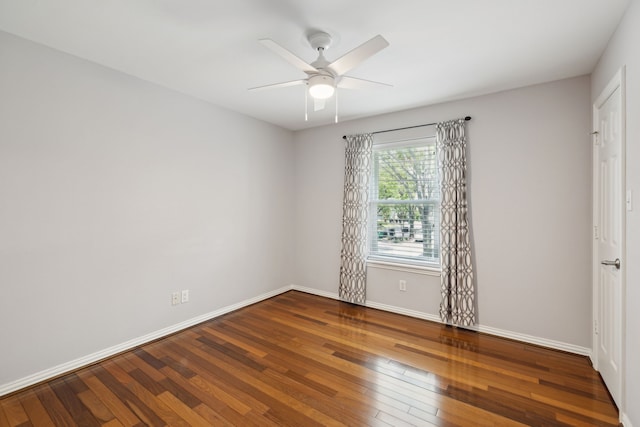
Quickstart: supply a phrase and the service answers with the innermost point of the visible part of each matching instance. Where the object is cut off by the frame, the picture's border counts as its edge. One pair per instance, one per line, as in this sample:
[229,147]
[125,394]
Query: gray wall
[623,51]
[530,196]
[115,192]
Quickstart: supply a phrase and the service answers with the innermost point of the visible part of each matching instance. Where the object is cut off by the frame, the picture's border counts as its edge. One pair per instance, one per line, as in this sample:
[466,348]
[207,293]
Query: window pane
[405,203]
[406,173]
[406,231]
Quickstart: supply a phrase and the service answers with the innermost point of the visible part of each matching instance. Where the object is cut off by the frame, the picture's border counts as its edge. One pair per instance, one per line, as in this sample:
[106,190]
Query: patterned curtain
[355,207]
[458,292]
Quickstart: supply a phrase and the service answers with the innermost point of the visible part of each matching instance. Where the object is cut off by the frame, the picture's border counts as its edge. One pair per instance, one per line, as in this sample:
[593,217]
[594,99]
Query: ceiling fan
[324,77]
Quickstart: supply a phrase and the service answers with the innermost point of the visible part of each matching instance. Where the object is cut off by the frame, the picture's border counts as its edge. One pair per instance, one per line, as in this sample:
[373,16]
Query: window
[404,203]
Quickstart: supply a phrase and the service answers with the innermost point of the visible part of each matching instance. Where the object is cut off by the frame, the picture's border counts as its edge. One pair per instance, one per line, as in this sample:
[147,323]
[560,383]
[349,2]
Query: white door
[609,223]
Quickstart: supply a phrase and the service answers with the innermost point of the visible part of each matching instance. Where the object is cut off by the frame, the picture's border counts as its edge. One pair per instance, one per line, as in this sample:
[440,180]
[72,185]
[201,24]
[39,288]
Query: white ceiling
[439,50]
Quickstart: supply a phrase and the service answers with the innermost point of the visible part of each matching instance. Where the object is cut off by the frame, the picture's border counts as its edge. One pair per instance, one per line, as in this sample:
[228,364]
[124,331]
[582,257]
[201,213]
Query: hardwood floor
[302,360]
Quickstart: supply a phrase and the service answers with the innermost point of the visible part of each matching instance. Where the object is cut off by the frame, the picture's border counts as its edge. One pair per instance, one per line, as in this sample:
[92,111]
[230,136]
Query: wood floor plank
[108,397]
[187,413]
[302,360]
[278,401]
[214,403]
[355,415]
[104,372]
[238,398]
[466,415]
[213,418]
[178,367]
[95,406]
[14,411]
[38,415]
[210,390]
[234,340]
[159,408]
[138,365]
[597,412]
[113,423]
[57,412]
[4,421]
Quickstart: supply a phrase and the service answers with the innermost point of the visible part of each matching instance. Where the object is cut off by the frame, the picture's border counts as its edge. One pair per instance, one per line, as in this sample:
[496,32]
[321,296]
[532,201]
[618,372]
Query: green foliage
[406,174]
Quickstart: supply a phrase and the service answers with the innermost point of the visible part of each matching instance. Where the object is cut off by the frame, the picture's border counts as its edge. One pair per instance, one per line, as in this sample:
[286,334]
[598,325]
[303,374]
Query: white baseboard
[312,291]
[624,419]
[108,352]
[556,345]
[404,311]
[544,342]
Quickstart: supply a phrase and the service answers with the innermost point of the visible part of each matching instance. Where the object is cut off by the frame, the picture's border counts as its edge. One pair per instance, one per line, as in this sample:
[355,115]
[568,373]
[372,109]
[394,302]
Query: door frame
[618,81]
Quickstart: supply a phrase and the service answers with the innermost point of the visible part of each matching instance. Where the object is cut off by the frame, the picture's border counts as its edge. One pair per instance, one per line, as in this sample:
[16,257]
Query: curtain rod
[408,127]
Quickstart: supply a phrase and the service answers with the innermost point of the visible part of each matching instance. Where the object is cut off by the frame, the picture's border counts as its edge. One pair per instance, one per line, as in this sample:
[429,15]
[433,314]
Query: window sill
[427,270]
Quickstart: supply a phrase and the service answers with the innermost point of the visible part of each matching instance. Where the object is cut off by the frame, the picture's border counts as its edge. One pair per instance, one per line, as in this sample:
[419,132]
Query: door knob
[615,263]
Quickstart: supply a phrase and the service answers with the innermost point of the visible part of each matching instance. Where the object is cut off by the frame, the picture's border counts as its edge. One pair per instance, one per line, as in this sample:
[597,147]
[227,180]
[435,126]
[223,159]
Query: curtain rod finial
[467,118]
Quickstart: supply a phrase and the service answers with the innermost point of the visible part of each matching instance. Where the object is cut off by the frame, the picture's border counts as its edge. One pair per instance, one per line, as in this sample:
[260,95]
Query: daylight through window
[404,201]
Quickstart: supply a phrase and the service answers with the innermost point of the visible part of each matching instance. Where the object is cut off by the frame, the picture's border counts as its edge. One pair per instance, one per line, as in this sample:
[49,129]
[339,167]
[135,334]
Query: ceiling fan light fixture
[321,87]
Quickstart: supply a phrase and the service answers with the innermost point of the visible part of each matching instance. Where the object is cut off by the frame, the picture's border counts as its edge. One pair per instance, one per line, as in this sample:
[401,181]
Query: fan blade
[288,56]
[318,104]
[353,58]
[347,82]
[283,84]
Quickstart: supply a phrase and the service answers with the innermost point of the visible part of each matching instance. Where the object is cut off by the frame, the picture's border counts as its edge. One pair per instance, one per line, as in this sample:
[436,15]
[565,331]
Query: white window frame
[401,262]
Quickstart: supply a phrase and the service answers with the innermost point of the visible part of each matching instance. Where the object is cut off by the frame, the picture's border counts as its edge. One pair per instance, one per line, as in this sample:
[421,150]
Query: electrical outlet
[185,296]
[402,285]
[175,298]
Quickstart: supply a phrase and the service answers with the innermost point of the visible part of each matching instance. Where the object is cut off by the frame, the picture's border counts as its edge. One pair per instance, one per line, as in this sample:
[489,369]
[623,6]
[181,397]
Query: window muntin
[405,203]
